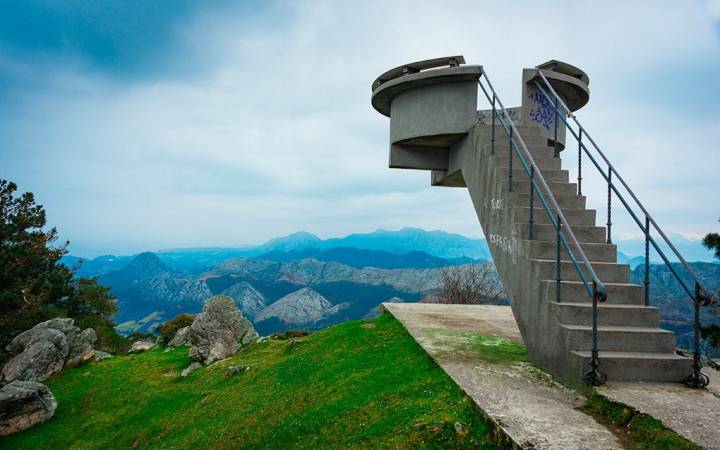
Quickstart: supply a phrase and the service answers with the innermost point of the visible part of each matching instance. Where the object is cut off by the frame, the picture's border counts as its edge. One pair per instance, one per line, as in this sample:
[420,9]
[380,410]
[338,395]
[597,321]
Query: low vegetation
[640,431]
[358,384]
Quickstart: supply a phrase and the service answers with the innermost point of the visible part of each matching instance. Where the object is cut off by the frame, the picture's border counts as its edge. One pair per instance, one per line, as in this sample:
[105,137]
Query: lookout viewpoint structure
[578,313]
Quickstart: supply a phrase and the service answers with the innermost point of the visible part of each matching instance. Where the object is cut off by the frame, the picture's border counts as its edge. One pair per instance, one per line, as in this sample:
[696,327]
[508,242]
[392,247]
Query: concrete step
[637,366]
[501,161]
[544,269]
[525,131]
[537,249]
[618,339]
[501,149]
[531,140]
[575,292]
[557,189]
[560,176]
[564,201]
[608,314]
[575,217]
[546,232]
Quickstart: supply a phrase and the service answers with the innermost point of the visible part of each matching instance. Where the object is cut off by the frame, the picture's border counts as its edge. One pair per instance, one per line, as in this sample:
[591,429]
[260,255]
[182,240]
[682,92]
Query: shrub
[168,329]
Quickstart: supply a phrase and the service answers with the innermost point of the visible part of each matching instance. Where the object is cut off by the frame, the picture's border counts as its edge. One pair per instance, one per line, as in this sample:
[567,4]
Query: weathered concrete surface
[691,413]
[522,402]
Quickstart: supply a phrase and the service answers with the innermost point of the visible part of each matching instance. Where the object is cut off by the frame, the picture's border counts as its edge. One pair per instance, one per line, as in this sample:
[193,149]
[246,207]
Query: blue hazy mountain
[361,258]
[439,244]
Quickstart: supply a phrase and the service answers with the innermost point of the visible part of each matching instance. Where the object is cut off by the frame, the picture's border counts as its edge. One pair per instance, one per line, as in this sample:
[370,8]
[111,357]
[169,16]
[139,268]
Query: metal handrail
[598,291]
[699,293]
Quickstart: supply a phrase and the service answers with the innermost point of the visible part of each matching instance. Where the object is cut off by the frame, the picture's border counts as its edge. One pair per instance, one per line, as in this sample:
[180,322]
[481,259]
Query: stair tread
[629,329]
[614,283]
[580,263]
[634,355]
[604,305]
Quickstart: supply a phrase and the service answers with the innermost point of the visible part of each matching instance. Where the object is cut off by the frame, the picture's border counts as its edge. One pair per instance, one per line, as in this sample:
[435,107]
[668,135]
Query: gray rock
[81,347]
[99,355]
[182,337]
[219,331]
[190,369]
[234,370]
[43,354]
[24,404]
[141,346]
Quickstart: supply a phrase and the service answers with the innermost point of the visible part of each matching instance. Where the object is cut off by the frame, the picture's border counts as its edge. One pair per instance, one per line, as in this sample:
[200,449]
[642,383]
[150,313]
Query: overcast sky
[145,125]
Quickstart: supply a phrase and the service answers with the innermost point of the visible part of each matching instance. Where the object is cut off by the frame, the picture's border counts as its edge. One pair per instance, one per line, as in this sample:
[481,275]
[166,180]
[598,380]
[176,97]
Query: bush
[168,329]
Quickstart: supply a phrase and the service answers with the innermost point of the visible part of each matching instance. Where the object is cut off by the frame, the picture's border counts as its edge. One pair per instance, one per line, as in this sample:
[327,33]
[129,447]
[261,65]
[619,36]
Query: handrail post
[580,162]
[558,269]
[532,194]
[697,379]
[492,136]
[595,376]
[647,261]
[609,206]
[510,155]
[555,143]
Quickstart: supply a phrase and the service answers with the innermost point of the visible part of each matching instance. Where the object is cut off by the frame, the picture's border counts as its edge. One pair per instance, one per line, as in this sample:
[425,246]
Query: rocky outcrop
[80,347]
[46,349]
[141,347]
[99,355]
[300,307]
[219,331]
[247,298]
[24,404]
[181,338]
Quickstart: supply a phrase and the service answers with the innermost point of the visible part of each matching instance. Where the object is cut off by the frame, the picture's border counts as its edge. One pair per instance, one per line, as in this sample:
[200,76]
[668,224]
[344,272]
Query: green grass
[361,384]
[640,431]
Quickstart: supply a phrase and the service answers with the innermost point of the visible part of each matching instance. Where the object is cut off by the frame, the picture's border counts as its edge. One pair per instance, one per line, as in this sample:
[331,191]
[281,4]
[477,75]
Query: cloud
[267,128]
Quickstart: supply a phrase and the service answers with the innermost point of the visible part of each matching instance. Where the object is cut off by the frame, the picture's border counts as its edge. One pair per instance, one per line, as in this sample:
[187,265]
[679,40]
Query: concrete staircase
[434,127]
[632,345]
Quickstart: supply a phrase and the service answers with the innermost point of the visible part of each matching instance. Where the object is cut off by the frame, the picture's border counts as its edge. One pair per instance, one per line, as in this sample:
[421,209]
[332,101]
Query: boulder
[99,355]
[190,369]
[43,354]
[81,347]
[219,331]
[141,346]
[23,404]
[47,348]
[182,337]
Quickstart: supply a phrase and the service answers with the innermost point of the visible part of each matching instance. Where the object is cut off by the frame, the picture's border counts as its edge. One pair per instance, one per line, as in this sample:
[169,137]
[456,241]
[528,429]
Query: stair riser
[557,189]
[531,141]
[526,131]
[547,233]
[564,202]
[548,250]
[620,341]
[501,161]
[607,273]
[581,314]
[640,369]
[551,176]
[576,293]
[536,152]
[580,217]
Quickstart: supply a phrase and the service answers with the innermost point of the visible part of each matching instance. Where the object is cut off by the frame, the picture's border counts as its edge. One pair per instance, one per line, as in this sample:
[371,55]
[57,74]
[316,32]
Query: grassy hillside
[359,384]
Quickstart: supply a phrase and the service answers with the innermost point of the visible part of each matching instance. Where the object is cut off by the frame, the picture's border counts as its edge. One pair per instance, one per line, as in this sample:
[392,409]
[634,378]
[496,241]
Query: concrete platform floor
[525,404]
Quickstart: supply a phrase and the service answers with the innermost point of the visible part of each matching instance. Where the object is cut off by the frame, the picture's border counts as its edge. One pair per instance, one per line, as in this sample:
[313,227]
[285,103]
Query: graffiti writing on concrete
[485,117]
[544,111]
[505,243]
[495,203]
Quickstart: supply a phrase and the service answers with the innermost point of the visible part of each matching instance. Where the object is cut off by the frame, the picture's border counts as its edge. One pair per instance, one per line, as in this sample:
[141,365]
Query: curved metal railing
[698,294]
[564,233]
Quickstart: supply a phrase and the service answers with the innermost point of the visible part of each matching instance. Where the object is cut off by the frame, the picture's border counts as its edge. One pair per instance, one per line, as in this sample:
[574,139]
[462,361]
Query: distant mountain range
[302,281]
